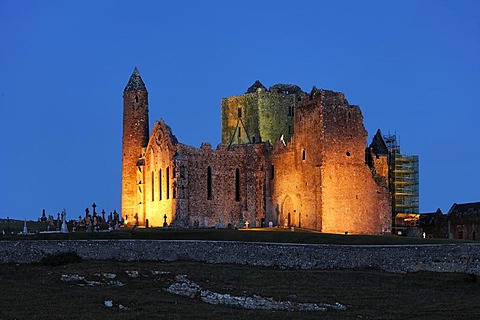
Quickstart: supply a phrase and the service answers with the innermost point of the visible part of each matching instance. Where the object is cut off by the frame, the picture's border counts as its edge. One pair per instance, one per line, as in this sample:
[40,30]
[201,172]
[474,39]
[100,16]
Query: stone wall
[157,177]
[198,186]
[262,115]
[316,178]
[399,259]
[321,179]
[351,199]
[223,205]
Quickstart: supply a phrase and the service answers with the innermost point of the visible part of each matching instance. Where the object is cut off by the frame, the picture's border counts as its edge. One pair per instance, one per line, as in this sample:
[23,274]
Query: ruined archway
[288,213]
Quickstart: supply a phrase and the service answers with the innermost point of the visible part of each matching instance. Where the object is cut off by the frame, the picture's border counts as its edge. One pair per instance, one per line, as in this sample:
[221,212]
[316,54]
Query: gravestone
[64,228]
[165,224]
[220,224]
[88,222]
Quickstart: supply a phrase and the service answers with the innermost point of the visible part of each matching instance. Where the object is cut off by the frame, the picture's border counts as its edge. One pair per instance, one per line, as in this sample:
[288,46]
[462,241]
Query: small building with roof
[464,221]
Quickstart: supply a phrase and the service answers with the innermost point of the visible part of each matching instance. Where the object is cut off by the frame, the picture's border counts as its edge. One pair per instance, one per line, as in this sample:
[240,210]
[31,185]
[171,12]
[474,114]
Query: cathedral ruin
[287,158]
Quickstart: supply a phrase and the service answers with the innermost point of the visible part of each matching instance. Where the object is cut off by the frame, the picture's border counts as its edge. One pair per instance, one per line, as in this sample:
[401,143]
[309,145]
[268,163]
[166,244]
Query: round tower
[135,138]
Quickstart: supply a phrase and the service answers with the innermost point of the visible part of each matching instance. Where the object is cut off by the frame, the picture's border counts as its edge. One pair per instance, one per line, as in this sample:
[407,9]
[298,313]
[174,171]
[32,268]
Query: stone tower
[134,140]
[260,115]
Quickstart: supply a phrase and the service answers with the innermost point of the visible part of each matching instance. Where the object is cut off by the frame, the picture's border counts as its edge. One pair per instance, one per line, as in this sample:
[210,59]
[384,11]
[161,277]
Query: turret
[135,137]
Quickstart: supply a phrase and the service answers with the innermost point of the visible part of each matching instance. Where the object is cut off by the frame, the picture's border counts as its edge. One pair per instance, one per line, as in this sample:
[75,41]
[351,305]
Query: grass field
[250,235]
[35,291]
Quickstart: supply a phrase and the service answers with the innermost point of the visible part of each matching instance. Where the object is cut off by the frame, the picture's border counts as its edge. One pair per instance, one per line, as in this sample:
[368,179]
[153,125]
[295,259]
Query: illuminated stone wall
[159,180]
[321,179]
[135,137]
[222,207]
[316,178]
[184,198]
[380,163]
[351,200]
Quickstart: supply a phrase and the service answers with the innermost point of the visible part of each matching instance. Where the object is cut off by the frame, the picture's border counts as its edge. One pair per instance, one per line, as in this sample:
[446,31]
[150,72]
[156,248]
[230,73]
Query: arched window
[303,154]
[136,99]
[209,183]
[182,171]
[160,184]
[168,182]
[153,186]
[237,185]
[460,233]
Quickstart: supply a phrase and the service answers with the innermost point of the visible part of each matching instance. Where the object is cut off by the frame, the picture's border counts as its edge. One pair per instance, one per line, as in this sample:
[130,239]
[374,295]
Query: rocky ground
[189,290]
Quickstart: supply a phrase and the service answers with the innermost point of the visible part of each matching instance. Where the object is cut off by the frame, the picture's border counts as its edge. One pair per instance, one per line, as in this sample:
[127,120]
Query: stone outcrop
[187,288]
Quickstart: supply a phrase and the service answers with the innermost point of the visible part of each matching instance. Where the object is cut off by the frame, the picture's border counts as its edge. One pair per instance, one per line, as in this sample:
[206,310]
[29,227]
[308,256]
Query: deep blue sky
[412,66]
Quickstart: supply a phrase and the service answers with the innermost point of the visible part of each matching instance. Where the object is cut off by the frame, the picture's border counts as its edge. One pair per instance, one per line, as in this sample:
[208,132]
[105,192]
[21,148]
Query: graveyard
[13,230]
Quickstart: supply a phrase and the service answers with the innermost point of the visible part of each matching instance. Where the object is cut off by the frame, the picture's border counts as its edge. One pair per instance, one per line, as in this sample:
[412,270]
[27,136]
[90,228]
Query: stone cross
[165,224]
[64,228]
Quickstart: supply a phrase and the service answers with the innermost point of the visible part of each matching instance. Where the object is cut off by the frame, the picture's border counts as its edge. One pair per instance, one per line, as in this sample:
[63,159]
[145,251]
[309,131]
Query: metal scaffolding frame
[403,179]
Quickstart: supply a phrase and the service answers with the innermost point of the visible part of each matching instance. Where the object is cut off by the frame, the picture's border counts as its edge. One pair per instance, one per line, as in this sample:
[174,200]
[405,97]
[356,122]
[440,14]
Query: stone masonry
[135,137]
[287,157]
[464,258]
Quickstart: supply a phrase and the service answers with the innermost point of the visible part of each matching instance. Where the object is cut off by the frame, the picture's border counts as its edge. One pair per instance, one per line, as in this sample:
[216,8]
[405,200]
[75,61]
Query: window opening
[160,184]
[237,185]
[153,186]
[182,171]
[209,183]
[168,182]
[290,111]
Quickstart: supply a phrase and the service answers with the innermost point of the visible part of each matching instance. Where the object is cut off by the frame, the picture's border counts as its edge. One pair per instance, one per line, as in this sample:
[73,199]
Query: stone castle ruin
[287,158]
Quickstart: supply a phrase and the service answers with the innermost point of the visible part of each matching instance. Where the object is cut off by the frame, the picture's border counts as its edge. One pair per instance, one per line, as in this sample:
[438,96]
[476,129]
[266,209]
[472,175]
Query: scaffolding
[403,179]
